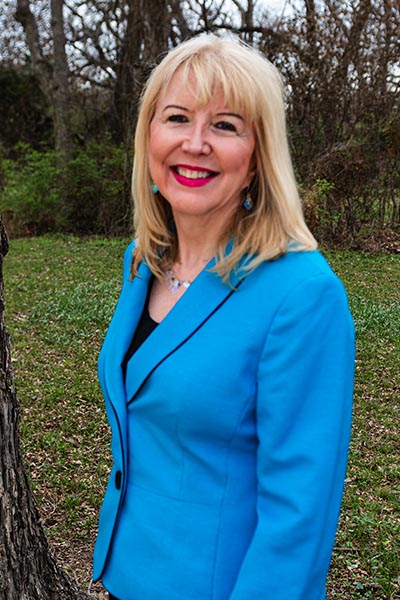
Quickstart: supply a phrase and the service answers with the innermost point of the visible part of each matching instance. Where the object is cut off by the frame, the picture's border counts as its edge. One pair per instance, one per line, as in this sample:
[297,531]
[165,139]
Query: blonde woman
[227,369]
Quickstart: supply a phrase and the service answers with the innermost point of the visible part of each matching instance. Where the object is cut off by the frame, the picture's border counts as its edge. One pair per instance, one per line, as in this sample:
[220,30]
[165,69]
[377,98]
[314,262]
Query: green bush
[29,195]
[24,110]
[96,199]
[90,197]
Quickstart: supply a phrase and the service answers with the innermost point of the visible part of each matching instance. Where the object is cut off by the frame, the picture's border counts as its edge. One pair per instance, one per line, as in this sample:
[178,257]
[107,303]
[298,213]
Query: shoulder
[295,275]
[129,250]
[300,264]
[128,256]
[294,268]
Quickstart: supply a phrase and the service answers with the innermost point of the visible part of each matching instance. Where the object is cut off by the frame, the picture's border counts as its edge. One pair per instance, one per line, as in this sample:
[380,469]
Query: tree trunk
[61,95]
[28,572]
[146,37]
[40,64]
[52,76]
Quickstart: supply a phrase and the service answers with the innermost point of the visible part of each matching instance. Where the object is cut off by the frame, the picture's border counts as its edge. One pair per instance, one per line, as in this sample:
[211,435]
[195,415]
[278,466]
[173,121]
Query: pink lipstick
[193,176]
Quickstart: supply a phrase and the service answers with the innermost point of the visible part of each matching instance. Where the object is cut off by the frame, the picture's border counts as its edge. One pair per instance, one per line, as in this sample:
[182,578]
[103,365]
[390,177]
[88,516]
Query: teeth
[192,174]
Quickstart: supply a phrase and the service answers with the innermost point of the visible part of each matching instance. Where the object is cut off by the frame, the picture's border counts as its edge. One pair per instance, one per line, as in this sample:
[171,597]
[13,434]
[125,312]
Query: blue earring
[248,201]
[154,188]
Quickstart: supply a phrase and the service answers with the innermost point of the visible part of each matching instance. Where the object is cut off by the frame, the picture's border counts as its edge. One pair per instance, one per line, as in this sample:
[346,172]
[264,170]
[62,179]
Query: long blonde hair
[252,86]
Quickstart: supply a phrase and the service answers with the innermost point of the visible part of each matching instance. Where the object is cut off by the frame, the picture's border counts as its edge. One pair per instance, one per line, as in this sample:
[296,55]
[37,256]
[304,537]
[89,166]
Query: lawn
[60,293]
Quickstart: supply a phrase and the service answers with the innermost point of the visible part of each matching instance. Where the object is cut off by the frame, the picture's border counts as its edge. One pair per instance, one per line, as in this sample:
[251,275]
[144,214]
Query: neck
[198,243]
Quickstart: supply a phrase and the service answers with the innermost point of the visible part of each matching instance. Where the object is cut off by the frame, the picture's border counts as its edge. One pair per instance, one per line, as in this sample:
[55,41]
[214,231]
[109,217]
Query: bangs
[207,75]
[211,66]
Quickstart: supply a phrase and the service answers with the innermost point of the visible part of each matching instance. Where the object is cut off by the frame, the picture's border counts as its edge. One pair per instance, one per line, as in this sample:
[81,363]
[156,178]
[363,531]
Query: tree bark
[61,95]
[40,64]
[146,38]
[52,75]
[28,571]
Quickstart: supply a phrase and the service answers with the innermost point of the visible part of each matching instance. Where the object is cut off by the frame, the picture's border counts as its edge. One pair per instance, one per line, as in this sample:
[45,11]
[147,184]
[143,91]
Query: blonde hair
[252,86]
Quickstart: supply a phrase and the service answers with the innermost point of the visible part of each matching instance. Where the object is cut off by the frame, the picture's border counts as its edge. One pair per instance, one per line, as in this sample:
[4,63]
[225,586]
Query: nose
[196,142]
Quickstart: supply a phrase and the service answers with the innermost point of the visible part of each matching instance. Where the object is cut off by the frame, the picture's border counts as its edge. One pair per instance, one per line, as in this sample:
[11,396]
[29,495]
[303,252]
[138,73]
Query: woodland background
[71,73]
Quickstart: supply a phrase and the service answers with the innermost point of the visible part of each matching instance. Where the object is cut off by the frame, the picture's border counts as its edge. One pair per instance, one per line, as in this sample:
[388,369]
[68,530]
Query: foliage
[343,110]
[24,112]
[95,199]
[339,61]
[36,197]
[29,195]
[60,294]
[315,204]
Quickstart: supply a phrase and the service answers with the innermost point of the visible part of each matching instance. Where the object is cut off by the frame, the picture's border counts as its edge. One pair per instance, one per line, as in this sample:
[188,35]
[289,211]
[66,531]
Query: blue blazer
[229,438]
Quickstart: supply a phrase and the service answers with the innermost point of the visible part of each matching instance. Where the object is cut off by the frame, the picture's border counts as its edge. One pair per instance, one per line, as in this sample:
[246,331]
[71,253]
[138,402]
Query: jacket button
[118,480]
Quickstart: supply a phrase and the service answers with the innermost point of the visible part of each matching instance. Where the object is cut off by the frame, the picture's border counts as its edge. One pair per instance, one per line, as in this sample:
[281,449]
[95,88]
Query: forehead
[188,90]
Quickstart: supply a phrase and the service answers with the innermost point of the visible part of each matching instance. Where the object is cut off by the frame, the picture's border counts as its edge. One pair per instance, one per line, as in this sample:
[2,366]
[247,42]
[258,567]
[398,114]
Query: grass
[60,294]
[366,563]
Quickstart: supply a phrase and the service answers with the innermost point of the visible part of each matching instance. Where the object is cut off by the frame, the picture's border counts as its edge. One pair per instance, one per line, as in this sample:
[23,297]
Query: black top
[144,328]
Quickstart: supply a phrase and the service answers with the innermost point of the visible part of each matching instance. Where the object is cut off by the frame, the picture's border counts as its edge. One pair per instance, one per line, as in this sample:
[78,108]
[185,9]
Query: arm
[304,399]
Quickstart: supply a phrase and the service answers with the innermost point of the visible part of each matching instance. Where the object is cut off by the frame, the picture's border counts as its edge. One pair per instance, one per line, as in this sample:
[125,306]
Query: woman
[227,369]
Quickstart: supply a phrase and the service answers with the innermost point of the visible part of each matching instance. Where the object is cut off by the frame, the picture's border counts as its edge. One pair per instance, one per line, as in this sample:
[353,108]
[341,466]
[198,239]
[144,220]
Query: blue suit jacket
[230,437]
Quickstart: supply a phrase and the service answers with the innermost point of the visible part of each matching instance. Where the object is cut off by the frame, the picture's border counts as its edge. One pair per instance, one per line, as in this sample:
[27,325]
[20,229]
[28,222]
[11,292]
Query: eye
[225,126]
[177,118]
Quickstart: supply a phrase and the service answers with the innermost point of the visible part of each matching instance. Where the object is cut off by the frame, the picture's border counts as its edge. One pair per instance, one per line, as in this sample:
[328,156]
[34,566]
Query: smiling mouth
[190,173]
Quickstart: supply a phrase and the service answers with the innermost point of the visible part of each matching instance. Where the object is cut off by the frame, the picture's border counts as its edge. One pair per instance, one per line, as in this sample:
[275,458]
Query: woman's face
[201,157]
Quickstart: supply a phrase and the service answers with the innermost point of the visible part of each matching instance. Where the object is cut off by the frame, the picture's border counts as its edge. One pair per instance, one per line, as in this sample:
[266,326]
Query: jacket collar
[205,296]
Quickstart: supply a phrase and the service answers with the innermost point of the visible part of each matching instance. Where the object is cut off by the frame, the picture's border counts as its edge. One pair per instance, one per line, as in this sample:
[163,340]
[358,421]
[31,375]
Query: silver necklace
[174,283]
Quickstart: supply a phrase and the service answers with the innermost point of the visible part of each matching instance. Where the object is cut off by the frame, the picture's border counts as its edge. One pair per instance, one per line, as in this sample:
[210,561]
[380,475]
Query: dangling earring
[154,188]
[248,200]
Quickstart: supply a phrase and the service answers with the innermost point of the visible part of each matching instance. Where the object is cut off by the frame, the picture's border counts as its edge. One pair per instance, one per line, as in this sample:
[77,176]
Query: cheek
[243,165]
[160,147]
[155,142]
[242,154]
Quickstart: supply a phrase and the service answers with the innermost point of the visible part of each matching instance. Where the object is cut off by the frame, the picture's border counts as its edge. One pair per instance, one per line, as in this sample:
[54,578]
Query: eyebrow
[220,114]
[175,106]
[230,114]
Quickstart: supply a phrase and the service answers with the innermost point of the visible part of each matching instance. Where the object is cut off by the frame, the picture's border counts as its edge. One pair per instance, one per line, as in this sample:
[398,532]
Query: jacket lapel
[206,295]
[119,335]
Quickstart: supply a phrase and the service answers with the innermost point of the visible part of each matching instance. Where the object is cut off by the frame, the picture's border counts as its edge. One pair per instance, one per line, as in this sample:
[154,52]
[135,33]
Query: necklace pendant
[174,283]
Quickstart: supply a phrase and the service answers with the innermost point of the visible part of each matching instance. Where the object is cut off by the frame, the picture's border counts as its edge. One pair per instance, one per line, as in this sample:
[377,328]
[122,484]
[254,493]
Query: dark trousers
[111,597]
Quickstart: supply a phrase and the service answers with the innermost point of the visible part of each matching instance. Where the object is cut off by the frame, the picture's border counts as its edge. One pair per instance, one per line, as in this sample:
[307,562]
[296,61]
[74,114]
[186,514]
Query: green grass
[60,294]
[366,563]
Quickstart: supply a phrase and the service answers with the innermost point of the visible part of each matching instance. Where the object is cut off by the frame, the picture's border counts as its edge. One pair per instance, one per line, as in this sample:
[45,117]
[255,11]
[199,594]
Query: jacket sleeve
[304,404]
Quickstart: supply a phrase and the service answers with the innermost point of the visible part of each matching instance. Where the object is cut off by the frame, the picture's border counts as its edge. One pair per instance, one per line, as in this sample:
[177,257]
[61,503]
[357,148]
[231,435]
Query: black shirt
[144,328]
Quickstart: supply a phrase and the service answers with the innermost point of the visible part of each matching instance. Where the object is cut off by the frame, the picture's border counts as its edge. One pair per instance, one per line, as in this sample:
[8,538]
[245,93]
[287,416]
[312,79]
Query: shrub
[96,199]
[90,197]
[29,195]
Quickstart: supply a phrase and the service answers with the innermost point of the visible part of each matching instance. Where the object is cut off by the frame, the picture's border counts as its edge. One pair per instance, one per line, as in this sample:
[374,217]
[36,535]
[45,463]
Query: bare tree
[52,71]
[60,88]
[28,571]
[145,39]
[339,60]
[13,49]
